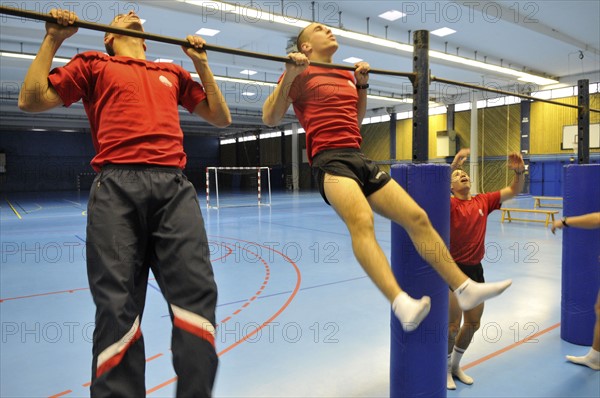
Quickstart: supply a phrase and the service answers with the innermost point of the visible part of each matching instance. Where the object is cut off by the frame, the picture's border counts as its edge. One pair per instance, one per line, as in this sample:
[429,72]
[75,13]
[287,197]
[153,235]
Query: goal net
[237,186]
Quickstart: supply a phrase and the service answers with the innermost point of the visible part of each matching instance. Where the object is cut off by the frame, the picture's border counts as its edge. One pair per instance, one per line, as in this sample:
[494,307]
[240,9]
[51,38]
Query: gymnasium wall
[499,132]
[269,152]
[51,161]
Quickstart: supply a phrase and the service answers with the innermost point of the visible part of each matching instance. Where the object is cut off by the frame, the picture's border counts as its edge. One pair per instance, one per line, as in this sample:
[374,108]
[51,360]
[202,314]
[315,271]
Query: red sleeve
[74,81]
[191,92]
[493,199]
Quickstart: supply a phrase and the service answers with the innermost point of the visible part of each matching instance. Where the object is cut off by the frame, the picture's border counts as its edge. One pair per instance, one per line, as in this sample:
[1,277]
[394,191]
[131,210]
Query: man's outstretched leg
[346,197]
[394,203]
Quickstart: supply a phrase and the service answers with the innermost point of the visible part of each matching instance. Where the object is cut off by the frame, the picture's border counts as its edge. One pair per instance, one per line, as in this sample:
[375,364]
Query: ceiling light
[248,94]
[441,32]
[391,99]
[30,56]
[248,72]
[353,60]
[240,81]
[392,15]
[165,60]
[207,32]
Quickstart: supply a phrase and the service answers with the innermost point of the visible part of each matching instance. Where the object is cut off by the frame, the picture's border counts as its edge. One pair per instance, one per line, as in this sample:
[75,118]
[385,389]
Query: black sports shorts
[474,272]
[351,163]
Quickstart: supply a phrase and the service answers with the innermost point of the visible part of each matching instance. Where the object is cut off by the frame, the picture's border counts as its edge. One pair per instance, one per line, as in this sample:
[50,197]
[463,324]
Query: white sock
[409,311]
[470,294]
[450,385]
[591,359]
[455,358]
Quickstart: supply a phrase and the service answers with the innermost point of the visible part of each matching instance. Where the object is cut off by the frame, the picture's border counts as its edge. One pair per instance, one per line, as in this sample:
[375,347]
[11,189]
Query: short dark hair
[299,39]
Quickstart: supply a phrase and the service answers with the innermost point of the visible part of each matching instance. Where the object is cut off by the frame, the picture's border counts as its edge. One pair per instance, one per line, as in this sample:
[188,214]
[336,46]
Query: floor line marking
[60,394]
[510,347]
[13,209]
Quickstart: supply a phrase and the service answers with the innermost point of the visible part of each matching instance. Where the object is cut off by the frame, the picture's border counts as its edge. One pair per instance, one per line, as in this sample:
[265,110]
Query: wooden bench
[506,215]
[537,201]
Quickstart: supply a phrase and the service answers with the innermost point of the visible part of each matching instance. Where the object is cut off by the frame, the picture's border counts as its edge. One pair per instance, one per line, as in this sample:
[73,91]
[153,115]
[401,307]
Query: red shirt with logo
[132,106]
[468,222]
[325,103]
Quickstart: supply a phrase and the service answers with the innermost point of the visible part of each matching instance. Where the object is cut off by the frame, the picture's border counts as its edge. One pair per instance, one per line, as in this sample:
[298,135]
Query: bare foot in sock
[585,361]
[462,376]
[450,385]
[409,311]
[470,294]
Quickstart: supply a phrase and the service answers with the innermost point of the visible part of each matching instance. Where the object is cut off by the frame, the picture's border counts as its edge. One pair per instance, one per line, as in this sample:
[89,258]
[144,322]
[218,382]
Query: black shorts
[474,272]
[351,163]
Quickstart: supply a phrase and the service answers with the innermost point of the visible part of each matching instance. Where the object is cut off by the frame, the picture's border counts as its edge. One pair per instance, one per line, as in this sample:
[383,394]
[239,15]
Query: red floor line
[510,347]
[60,394]
[158,387]
[283,307]
[264,324]
[265,282]
[69,290]
[44,294]
[154,357]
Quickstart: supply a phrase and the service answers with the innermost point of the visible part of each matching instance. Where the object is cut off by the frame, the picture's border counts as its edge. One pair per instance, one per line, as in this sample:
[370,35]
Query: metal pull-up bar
[181,42]
[497,91]
[251,54]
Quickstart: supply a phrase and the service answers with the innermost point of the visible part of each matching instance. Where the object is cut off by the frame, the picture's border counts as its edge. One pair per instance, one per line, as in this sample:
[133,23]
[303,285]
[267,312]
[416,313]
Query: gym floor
[298,316]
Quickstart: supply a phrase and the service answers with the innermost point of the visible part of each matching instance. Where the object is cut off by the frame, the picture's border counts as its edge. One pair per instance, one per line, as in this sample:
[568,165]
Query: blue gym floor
[298,317]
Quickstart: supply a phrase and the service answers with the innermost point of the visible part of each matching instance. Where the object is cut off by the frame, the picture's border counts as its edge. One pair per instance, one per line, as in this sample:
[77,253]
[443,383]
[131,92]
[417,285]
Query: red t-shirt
[468,222]
[325,103]
[132,106]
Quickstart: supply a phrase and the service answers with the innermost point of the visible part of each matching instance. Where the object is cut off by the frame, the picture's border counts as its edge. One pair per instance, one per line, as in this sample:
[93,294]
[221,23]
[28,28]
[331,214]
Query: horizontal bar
[494,90]
[181,42]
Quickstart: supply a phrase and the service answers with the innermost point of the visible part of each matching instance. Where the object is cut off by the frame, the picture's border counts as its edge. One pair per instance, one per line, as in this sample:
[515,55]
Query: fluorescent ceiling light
[392,15]
[207,32]
[30,56]
[441,32]
[240,81]
[248,72]
[248,94]
[522,76]
[353,60]
[165,60]
[390,99]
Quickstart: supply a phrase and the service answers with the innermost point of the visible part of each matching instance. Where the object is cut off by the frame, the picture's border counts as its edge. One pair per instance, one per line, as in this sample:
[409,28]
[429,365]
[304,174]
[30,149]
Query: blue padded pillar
[580,255]
[418,358]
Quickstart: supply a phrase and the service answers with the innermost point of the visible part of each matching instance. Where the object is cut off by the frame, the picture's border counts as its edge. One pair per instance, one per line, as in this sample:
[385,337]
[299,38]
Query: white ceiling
[558,39]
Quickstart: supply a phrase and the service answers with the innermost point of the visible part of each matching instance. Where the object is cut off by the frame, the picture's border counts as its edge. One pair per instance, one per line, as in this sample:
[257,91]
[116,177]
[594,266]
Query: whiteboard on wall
[570,132]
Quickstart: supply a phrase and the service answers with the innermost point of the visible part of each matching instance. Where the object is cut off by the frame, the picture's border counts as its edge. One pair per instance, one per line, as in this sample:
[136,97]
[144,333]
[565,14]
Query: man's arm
[515,162]
[277,104]
[214,110]
[361,75]
[36,94]
[585,221]
[460,159]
